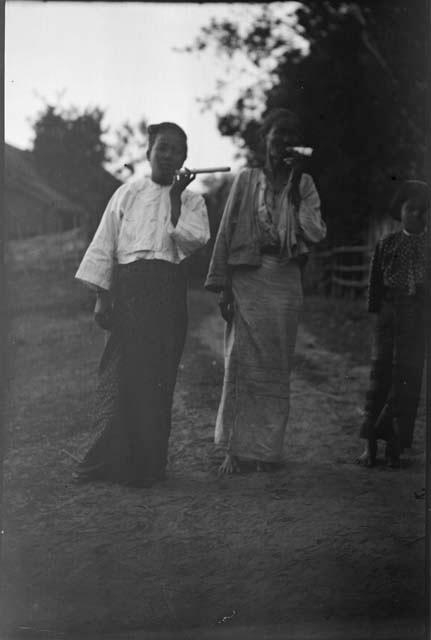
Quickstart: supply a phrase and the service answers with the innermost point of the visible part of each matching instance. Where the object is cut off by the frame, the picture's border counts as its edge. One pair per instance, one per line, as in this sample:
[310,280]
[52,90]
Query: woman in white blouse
[135,265]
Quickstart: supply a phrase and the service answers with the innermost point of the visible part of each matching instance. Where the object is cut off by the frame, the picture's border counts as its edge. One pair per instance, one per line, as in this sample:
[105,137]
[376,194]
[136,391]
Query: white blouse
[137,225]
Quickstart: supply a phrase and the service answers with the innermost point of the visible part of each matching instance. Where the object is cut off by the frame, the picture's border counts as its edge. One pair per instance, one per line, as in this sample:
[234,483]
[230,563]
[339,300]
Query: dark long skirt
[396,371]
[137,374]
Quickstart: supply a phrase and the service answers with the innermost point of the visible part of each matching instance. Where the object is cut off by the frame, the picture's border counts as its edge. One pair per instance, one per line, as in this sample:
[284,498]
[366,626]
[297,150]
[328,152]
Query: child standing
[396,295]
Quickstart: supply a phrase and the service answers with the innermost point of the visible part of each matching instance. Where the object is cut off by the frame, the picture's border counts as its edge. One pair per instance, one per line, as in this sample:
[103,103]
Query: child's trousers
[396,370]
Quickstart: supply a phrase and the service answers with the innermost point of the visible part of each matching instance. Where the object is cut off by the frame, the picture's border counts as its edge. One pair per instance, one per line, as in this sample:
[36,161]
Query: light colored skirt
[259,348]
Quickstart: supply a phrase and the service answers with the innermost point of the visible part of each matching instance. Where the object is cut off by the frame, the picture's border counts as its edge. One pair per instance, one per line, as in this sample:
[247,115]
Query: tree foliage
[74,151]
[69,149]
[127,148]
[358,84]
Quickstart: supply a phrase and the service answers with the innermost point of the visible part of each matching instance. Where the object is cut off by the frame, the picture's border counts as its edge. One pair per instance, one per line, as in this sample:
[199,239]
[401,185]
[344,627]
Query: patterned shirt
[398,264]
[136,225]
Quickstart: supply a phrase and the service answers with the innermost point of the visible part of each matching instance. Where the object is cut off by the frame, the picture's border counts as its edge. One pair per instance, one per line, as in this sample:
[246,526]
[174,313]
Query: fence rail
[344,270]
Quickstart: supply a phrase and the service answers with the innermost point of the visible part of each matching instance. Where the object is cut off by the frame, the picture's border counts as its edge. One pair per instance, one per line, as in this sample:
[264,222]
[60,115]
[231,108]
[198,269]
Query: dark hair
[416,192]
[155,129]
[279,116]
[290,120]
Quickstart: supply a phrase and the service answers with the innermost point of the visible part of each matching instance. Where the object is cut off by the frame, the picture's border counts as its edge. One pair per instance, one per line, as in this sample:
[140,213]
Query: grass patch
[340,325]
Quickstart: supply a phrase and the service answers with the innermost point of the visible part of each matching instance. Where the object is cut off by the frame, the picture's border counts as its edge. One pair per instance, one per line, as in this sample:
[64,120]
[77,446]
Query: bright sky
[119,57]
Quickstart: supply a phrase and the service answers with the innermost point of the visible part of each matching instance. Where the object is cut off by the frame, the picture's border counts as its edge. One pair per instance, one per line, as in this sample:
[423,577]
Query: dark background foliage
[360,92]
[358,85]
[72,151]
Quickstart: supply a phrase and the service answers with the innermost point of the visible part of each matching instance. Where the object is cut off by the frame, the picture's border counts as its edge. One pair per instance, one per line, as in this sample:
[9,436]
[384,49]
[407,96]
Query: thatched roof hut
[32,206]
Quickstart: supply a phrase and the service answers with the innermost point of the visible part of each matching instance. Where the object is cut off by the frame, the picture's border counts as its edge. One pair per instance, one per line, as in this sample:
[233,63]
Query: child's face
[413,219]
[167,156]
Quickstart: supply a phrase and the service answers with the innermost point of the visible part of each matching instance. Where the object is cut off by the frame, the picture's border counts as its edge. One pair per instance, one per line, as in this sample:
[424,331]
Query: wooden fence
[342,271]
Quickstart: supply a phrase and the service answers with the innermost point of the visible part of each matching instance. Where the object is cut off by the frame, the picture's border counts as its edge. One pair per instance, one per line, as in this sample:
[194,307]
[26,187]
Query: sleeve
[192,231]
[311,226]
[375,284]
[218,276]
[97,265]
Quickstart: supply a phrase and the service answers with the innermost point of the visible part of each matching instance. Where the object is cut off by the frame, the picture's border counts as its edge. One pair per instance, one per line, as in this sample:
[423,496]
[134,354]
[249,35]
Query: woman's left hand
[182,179]
[225,303]
[103,310]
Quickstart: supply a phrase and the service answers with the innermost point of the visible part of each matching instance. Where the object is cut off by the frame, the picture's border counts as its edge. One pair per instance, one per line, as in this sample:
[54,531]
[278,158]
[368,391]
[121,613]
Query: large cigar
[206,170]
[302,151]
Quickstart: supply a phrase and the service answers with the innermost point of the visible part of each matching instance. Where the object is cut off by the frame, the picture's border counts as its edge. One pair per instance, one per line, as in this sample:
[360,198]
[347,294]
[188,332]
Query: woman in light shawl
[271,218]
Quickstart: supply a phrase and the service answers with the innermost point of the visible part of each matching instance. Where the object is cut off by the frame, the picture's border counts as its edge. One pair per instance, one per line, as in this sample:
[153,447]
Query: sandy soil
[319,549]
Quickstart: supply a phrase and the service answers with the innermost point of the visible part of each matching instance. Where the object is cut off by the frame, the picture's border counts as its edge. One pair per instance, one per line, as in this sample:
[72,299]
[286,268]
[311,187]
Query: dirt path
[319,546]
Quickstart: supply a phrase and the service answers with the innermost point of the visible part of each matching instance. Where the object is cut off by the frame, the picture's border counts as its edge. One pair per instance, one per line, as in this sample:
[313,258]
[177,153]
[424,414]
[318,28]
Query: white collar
[146,181]
[414,235]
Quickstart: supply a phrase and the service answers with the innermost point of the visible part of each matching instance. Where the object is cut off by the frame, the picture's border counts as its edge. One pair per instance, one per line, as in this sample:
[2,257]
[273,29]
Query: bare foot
[229,465]
[364,458]
[368,456]
[392,454]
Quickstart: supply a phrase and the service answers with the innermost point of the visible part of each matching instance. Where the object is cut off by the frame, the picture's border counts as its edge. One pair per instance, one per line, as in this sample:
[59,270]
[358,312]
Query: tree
[355,72]
[69,149]
[72,147]
[82,158]
[127,148]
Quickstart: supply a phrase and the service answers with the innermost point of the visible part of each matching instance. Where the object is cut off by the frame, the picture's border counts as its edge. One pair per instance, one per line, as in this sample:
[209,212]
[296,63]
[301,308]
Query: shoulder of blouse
[138,184]
[247,172]
[306,181]
[387,245]
[123,196]
[126,190]
[247,177]
[390,239]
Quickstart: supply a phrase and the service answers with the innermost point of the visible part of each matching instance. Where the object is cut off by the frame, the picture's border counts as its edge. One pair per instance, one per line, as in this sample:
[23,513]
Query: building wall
[25,216]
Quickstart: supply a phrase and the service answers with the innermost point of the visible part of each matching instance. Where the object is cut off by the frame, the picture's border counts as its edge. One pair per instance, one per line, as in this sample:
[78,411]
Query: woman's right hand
[225,303]
[103,311]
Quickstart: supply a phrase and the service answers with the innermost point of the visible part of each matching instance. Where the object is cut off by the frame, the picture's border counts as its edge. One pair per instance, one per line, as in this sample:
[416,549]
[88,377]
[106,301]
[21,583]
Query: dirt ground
[319,549]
